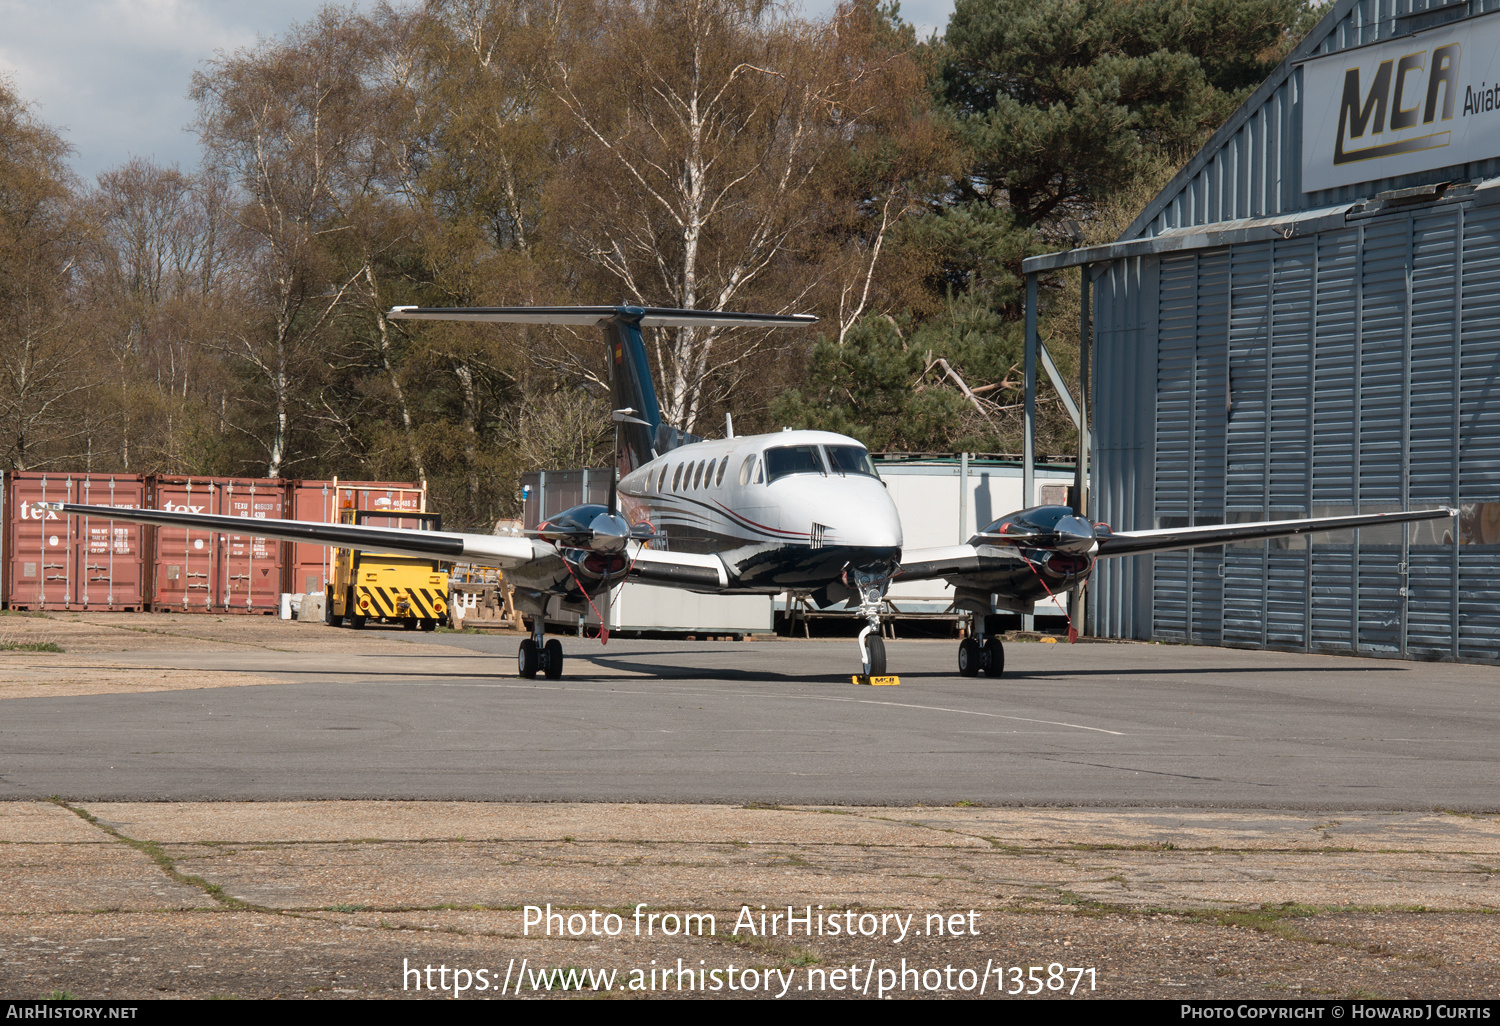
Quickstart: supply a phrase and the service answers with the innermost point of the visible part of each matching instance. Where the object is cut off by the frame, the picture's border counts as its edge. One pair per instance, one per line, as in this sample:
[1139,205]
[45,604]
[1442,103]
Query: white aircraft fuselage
[786,511]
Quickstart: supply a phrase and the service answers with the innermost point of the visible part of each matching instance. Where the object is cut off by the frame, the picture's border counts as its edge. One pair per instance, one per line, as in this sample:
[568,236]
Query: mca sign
[1419,102]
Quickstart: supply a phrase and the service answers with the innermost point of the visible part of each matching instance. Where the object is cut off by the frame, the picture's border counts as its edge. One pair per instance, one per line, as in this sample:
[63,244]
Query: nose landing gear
[871,586]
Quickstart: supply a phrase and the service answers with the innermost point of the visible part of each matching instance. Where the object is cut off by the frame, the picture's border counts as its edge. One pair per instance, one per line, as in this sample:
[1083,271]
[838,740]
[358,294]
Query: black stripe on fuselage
[765,560]
[718,509]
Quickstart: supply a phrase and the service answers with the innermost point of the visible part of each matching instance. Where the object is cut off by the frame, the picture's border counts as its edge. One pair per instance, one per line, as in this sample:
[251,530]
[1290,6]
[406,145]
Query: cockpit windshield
[849,459]
[792,459]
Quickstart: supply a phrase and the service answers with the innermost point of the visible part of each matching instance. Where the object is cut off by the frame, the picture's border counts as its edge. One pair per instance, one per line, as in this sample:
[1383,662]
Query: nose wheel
[870,585]
[872,648]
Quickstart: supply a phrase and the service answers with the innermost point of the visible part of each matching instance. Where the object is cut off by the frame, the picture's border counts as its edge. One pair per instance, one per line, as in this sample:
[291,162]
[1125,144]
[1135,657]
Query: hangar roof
[1251,168]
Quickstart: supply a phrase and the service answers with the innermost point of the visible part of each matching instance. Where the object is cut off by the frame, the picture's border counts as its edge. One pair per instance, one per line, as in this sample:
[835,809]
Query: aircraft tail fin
[644,437]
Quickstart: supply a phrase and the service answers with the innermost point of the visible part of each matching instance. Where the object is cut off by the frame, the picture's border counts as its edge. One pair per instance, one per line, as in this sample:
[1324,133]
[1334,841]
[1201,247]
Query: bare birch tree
[291,124]
[45,373]
[706,131]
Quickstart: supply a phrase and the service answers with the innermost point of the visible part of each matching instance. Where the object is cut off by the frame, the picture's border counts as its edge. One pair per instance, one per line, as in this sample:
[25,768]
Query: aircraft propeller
[587,526]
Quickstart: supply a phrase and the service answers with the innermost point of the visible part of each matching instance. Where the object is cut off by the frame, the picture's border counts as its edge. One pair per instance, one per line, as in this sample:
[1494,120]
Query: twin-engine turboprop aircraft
[797,511]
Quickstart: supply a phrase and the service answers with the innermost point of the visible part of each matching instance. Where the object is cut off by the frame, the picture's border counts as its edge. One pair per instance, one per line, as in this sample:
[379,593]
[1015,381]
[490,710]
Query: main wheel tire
[357,621]
[410,623]
[526,659]
[994,663]
[553,659]
[429,624]
[875,646]
[968,658]
[331,618]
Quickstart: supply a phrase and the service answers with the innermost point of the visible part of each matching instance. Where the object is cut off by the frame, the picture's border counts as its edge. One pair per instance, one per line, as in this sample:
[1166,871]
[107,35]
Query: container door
[250,572]
[109,566]
[39,568]
[185,568]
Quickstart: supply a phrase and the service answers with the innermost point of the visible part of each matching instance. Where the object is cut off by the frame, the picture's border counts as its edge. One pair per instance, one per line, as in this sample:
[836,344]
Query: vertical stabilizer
[630,387]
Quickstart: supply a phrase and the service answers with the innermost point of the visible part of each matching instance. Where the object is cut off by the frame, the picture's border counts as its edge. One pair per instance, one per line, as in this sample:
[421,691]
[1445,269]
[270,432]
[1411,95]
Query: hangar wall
[1350,371]
[1261,352]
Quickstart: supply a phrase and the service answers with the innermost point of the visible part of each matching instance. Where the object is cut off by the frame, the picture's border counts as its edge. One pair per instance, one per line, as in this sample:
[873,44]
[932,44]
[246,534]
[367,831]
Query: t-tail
[643,436]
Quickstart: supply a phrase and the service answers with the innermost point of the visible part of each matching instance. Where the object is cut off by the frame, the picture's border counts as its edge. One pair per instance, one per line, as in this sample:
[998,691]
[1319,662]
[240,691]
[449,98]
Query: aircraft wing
[484,549]
[693,571]
[989,553]
[1134,543]
[954,561]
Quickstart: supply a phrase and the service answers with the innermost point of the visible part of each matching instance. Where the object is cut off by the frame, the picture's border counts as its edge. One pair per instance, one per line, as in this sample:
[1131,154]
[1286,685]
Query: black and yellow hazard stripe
[425,603]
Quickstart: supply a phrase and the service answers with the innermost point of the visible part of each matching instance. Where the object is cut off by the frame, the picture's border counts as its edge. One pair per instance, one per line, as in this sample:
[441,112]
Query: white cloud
[113,75]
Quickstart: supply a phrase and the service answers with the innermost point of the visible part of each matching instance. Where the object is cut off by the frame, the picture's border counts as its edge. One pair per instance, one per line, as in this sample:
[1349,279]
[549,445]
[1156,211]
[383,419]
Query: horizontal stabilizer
[645,316]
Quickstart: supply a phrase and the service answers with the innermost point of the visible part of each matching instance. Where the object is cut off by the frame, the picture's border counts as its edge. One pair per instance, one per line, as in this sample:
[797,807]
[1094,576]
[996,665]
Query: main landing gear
[977,653]
[534,654]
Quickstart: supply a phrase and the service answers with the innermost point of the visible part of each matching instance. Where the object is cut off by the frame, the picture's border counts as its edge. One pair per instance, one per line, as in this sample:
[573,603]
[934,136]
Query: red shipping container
[184,574]
[250,567]
[213,571]
[394,496]
[52,561]
[310,566]
[111,566]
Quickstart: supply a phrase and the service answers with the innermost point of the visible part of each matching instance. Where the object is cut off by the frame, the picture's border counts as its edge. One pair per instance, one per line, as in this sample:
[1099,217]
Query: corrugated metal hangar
[1306,321]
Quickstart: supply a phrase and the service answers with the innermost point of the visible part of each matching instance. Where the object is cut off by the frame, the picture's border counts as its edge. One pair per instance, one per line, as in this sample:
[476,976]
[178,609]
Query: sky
[112,76]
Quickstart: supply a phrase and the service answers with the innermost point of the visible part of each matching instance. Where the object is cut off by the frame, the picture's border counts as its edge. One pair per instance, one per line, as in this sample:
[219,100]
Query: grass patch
[789,954]
[164,862]
[30,646]
[346,908]
[59,995]
[35,614]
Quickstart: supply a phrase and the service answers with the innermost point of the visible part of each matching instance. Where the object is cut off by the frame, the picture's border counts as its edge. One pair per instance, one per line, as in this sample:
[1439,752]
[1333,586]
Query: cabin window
[719,477]
[661,479]
[745,469]
[849,459]
[677,478]
[786,460]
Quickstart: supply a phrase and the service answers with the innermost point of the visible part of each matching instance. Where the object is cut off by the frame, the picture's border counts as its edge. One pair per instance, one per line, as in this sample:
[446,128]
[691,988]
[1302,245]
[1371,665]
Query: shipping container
[309,567]
[250,566]
[380,496]
[213,571]
[52,561]
[184,568]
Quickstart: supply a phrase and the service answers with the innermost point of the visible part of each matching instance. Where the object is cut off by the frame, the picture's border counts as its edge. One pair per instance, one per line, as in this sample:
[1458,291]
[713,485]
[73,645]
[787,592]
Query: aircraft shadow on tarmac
[634,663]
